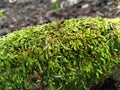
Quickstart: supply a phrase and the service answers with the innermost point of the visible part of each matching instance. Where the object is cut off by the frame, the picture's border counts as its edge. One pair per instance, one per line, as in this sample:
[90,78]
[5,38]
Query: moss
[70,54]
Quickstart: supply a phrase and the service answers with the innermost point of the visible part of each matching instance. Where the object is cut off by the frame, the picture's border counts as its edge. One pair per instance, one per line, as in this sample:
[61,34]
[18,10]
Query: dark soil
[32,12]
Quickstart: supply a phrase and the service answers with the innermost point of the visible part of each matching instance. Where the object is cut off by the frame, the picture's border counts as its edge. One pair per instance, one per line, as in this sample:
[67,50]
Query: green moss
[69,55]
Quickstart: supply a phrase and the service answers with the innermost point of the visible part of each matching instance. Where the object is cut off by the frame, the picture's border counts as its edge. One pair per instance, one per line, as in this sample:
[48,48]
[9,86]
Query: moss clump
[66,55]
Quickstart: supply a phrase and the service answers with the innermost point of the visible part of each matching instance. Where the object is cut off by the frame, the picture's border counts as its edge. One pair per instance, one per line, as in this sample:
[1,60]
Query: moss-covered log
[66,55]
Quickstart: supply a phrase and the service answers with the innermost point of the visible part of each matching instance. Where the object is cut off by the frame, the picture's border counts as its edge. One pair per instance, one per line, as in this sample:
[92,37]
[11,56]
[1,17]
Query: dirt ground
[31,12]
[22,13]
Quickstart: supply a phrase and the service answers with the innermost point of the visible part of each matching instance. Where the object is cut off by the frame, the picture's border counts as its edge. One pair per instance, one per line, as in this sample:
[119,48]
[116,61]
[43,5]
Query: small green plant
[62,55]
[56,5]
[1,14]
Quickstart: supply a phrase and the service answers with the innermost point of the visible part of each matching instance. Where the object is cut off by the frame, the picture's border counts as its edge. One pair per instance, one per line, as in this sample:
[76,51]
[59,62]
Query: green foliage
[1,14]
[63,55]
[56,5]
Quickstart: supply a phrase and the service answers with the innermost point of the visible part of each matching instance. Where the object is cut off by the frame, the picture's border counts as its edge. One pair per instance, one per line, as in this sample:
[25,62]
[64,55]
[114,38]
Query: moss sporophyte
[66,55]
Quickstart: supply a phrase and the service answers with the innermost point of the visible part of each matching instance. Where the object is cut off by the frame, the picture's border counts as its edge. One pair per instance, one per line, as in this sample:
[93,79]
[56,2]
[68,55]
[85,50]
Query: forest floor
[33,12]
